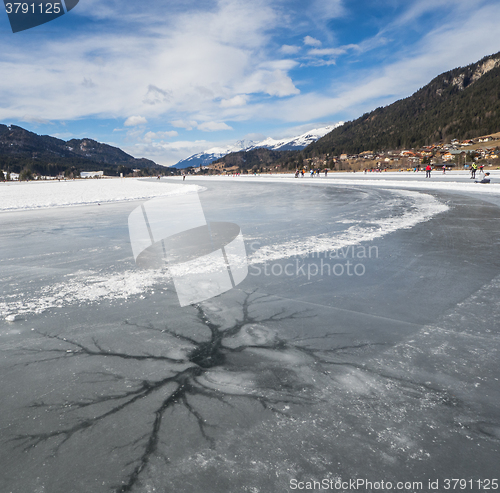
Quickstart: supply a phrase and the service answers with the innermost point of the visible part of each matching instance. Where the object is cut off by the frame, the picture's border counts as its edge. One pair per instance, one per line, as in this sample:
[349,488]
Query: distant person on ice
[473,170]
[428,170]
[486,179]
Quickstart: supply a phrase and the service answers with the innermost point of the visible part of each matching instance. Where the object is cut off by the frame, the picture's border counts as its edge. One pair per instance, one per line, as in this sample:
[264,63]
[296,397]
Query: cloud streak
[133,121]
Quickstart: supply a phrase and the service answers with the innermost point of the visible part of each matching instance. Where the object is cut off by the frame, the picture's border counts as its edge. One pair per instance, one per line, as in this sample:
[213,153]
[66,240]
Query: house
[91,174]
[366,154]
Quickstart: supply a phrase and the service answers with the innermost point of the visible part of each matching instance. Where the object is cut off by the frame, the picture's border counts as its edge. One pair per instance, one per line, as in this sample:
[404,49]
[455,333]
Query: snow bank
[42,195]
[453,181]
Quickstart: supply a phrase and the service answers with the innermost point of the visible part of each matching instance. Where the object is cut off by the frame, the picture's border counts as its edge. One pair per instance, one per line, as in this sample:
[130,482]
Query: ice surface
[83,286]
[110,386]
[418,207]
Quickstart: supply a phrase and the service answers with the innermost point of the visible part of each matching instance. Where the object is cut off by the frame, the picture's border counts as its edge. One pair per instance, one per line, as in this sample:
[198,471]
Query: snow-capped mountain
[295,143]
[292,144]
[206,157]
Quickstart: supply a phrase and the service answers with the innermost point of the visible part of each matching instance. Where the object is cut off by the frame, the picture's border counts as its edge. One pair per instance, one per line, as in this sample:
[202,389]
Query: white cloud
[133,121]
[310,41]
[290,49]
[326,51]
[88,82]
[150,136]
[274,83]
[213,126]
[318,57]
[134,133]
[187,124]
[328,9]
[440,50]
[155,95]
[284,65]
[237,101]
[35,119]
[420,8]
[181,64]
[167,153]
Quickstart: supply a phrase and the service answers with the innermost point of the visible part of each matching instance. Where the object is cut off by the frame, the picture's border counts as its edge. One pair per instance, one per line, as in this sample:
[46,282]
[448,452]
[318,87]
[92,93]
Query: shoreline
[78,193]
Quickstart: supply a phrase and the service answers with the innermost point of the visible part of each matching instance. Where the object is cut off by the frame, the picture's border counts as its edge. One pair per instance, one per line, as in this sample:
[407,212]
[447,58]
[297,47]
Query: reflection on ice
[403,212]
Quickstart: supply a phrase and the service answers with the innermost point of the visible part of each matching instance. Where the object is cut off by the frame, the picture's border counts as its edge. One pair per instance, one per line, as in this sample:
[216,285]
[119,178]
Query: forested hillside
[21,149]
[462,103]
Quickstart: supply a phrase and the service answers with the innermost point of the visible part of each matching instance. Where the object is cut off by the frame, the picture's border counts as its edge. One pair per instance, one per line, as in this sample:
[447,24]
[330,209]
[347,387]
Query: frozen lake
[363,343]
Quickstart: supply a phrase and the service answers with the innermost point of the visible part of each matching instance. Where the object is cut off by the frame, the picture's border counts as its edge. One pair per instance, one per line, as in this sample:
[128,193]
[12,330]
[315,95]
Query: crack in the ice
[190,378]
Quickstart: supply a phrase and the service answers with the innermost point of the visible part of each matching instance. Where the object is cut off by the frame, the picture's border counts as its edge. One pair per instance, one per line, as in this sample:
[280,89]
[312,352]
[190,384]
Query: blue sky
[166,79]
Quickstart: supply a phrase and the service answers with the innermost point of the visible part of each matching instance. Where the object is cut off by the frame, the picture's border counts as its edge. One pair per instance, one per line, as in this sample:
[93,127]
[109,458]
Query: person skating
[428,170]
[473,170]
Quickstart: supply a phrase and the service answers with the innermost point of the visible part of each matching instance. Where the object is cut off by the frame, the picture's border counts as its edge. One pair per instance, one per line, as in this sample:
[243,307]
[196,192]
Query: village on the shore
[457,154]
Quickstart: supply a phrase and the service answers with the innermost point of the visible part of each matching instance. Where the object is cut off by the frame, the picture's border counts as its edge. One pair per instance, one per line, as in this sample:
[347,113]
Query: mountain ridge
[461,103]
[19,146]
[298,142]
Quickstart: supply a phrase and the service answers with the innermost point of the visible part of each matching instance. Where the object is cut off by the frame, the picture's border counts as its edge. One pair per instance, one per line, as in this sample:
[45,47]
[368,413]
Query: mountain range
[19,147]
[463,103]
[291,144]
